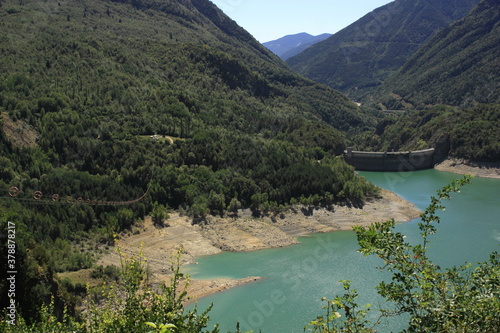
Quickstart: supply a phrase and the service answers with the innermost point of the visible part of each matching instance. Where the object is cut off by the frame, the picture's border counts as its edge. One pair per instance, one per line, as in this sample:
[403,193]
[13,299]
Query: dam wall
[390,161]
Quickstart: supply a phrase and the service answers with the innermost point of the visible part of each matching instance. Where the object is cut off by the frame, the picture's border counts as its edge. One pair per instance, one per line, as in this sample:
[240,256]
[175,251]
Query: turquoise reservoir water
[297,277]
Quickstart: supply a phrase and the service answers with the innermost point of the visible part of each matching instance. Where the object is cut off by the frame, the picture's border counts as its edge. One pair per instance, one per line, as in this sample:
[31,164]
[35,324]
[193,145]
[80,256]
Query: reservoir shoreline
[245,233]
[468,233]
[464,167]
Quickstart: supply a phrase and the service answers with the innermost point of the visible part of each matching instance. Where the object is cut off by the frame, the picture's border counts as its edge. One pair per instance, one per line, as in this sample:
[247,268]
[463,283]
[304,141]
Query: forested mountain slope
[458,66]
[470,133]
[361,56]
[90,83]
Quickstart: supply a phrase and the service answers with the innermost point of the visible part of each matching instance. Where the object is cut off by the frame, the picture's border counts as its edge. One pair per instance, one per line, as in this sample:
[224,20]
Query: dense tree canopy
[470,133]
[458,66]
[104,102]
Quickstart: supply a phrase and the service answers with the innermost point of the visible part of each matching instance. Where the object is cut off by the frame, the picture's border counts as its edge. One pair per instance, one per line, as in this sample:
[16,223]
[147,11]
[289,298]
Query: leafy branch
[457,299]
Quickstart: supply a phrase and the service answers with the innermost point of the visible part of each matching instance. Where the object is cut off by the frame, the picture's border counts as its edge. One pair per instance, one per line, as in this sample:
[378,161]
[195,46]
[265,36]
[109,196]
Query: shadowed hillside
[458,66]
[361,56]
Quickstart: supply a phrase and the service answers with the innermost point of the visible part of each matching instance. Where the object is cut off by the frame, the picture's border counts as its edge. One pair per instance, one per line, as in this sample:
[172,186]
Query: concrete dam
[390,161]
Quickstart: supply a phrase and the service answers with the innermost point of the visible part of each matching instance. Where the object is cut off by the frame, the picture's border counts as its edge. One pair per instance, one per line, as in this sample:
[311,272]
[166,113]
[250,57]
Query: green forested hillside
[85,84]
[471,133]
[459,66]
[361,56]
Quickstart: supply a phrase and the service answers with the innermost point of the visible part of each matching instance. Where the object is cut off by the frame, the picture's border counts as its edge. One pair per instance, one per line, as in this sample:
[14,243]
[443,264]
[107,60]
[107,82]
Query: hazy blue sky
[268,20]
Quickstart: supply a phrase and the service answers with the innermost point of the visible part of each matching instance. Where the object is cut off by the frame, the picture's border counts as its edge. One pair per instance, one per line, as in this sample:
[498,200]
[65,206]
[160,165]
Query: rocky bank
[245,233]
[465,167]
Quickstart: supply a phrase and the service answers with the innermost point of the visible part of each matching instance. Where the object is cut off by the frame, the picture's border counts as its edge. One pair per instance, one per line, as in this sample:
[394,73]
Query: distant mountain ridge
[290,45]
[361,56]
[458,66]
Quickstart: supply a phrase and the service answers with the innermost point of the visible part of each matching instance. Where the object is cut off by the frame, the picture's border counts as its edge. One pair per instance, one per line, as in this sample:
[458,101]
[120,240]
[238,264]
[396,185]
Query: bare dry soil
[244,233]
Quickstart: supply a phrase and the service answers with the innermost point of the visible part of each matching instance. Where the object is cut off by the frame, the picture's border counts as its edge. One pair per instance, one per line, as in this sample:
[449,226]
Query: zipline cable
[38,197]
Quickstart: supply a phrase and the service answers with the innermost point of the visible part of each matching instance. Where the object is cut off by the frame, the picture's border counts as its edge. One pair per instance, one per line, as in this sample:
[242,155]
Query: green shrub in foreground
[457,299]
[131,306]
